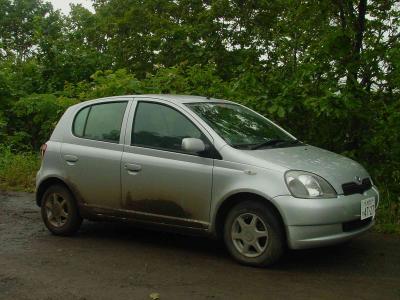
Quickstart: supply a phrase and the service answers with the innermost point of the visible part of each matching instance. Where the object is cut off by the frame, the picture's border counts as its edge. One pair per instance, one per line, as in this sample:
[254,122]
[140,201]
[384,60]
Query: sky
[63,5]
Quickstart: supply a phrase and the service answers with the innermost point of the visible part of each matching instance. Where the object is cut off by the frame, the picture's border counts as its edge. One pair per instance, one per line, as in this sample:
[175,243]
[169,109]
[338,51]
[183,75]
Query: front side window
[162,127]
[240,127]
[101,122]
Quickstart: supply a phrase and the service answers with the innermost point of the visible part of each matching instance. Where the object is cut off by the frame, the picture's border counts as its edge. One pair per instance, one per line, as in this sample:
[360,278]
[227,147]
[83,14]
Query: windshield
[240,127]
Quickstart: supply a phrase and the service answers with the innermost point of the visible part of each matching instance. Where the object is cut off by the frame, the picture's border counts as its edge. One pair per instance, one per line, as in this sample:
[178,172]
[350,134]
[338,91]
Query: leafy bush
[33,119]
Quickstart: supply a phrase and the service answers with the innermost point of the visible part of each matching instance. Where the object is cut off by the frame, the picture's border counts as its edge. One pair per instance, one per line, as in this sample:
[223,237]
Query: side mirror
[193,145]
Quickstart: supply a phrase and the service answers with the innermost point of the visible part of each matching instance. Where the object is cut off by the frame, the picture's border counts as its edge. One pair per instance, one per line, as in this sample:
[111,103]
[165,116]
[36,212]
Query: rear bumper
[321,222]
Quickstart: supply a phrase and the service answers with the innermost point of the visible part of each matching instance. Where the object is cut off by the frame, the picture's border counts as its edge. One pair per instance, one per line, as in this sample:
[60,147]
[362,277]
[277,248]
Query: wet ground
[117,261]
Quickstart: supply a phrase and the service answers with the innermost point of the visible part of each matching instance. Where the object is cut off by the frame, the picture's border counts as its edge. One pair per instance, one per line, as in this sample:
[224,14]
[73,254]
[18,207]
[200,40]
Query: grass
[388,213]
[18,171]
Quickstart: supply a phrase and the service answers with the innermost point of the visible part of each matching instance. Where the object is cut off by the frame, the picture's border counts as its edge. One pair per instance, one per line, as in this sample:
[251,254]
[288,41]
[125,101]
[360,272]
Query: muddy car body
[202,165]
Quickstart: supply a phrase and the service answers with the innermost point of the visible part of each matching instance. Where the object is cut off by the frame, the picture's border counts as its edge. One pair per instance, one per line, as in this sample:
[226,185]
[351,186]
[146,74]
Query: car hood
[335,168]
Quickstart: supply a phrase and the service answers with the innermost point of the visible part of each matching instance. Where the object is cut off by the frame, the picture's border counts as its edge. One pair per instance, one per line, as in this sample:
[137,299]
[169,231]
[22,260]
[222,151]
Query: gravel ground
[117,261]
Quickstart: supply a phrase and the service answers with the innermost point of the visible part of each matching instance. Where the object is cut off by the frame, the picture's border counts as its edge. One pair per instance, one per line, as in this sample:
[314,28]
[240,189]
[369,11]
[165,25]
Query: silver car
[202,166]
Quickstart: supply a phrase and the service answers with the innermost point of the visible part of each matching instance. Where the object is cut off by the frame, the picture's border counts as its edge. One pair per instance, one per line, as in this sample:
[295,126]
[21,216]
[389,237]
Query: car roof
[179,99]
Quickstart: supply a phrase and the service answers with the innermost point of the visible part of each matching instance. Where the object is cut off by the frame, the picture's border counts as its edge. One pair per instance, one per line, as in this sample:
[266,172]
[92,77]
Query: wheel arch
[46,183]
[235,199]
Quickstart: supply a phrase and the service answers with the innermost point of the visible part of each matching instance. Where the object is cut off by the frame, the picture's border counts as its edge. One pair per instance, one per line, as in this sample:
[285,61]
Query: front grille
[356,224]
[351,188]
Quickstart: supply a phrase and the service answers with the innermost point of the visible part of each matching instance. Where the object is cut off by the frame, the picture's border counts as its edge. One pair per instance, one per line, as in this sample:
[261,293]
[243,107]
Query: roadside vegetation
[327,71]
[18,170]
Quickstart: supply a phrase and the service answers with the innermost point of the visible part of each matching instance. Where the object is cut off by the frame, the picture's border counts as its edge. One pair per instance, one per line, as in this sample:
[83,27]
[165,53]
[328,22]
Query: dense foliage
[327,71]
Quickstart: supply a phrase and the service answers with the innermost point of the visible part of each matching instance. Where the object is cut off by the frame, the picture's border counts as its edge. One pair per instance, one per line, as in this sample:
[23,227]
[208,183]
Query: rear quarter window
[80,120]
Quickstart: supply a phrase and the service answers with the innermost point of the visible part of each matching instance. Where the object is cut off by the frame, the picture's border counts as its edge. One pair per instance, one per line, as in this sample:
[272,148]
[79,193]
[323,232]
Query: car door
[92,152]
[159,180]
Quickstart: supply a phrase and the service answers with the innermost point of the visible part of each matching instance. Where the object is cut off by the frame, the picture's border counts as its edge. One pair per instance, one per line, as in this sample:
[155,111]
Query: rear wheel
[59,211]
[253,234]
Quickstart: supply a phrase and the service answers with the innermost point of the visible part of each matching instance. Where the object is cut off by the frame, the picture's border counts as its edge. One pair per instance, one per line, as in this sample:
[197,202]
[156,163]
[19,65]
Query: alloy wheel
[56,210]
[249,235]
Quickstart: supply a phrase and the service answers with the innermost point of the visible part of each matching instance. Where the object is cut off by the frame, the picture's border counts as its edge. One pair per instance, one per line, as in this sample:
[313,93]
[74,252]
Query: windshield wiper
[273,142]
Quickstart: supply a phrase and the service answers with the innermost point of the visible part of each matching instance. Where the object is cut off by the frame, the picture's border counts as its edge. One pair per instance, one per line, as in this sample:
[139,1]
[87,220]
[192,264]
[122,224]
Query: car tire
[59,211]
[253,234]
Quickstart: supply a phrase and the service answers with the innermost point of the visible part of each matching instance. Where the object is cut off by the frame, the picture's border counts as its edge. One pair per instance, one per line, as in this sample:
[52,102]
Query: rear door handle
[133,167]
[71,158]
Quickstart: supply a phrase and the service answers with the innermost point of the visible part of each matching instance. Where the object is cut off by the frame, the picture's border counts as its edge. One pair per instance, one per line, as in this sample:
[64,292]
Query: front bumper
[321,222]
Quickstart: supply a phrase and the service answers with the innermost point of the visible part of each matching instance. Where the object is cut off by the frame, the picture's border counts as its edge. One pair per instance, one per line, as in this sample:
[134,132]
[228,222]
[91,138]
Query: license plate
[367,208]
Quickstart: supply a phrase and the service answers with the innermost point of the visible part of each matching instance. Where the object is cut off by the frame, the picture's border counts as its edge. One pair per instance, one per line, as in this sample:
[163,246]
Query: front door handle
[133,167]
[71,158]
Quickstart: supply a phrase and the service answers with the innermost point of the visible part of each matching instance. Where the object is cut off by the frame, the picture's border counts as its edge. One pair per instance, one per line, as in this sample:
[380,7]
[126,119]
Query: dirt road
[116,261]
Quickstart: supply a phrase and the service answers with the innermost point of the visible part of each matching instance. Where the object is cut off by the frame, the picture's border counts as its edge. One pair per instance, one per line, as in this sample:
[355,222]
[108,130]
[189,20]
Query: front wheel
[253,234]
[59,211]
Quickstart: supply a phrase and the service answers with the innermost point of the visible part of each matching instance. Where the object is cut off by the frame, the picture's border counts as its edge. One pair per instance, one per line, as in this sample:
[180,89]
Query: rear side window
[101,122]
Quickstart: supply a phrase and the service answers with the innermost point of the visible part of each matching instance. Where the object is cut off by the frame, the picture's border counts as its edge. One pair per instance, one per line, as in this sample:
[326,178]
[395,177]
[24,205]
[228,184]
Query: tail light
[43,149]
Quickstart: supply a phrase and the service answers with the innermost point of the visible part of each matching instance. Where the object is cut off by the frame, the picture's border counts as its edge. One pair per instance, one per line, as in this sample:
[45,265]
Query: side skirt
[146,220]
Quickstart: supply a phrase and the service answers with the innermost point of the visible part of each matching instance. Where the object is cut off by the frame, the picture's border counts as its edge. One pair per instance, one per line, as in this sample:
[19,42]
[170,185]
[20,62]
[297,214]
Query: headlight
[308,185]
